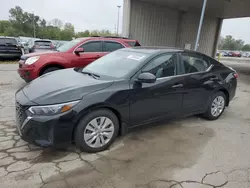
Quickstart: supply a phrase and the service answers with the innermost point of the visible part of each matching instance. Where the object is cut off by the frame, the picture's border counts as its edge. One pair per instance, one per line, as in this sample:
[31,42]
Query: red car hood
[39,53]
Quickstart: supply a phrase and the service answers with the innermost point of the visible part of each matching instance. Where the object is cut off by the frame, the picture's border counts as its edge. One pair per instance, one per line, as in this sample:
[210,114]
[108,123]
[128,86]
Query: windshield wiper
[95,76]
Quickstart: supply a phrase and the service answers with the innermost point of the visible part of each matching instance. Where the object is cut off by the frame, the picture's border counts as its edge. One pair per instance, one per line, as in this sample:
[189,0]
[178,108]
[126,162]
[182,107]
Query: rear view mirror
[147,77]
[79,50]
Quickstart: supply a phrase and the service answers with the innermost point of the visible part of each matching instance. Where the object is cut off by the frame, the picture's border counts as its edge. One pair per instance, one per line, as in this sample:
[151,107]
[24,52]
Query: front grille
[20,113]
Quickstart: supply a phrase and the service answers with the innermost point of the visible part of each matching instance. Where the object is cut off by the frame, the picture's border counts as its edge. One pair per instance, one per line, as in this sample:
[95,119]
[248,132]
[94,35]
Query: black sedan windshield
[117,64]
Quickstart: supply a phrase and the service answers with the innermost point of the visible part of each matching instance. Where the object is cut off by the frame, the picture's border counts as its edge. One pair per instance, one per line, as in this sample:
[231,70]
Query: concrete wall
[188,31]
[155,25]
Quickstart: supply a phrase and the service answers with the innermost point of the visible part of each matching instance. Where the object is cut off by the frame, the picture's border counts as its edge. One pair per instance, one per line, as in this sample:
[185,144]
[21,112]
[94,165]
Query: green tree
[23,21]
[43,23]
[4,25]
[246,47]
[68,32]
[56,23]
[86,33]
[27,24]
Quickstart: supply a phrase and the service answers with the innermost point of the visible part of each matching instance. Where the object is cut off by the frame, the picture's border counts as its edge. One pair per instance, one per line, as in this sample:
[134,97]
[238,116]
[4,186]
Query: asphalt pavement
[185,153]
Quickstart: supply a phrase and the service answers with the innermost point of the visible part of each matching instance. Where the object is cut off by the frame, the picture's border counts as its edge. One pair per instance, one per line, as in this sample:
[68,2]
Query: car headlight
[52,109]
[31,60]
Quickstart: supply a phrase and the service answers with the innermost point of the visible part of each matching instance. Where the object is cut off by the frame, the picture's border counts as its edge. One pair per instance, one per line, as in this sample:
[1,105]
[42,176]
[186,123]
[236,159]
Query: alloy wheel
[98,132]
[217,106]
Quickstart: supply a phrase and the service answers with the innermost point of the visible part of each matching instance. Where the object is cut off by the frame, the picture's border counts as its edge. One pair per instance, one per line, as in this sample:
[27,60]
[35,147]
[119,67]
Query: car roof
[159,49]
[107,37]
[3,37]
[42,40]
[154,49]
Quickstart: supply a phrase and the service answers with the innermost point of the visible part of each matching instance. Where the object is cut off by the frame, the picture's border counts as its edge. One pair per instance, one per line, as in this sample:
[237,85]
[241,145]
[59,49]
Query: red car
[234,54]
[76,53]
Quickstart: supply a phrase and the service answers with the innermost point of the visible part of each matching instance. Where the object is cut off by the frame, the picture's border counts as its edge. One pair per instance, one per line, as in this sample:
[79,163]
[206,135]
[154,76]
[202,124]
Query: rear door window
[112,46]
[194,63]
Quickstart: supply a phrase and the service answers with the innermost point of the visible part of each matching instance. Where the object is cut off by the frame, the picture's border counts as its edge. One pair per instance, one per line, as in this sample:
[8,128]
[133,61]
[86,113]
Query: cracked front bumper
[56,130]
[48,130]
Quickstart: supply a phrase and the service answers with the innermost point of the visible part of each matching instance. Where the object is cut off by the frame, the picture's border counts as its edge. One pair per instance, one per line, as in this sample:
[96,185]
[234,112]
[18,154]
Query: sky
[83,14]
[239,28]
[100,14]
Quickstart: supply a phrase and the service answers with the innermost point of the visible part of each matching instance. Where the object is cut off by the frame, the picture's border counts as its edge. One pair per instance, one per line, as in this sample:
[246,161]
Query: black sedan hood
[62,86]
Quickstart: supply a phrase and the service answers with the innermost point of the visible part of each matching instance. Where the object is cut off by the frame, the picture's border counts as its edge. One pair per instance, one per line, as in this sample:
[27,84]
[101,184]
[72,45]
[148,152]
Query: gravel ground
[185,153]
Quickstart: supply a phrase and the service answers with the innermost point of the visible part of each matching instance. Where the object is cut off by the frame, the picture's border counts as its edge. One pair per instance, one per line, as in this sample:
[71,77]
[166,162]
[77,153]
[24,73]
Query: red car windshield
[68,45]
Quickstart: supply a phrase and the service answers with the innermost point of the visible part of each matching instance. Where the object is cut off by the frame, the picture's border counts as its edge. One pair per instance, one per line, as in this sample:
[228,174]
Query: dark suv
[9,48]
[76,53]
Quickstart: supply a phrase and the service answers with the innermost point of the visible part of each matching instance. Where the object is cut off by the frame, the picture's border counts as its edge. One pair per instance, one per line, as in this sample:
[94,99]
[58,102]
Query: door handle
[177,86]
[98,56]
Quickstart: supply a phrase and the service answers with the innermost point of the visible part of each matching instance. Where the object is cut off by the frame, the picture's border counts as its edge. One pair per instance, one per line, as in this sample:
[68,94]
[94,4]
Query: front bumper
[10,55]
[45,131]
[28,73]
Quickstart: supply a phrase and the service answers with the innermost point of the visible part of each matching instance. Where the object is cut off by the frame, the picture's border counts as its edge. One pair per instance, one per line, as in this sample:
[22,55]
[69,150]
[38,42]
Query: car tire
[216,106]
[51,69]
[90,134]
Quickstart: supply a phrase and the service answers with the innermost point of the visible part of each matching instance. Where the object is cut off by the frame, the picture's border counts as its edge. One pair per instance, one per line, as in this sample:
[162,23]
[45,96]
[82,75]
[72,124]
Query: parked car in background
[234,54]
[246,54]
[9,48]
[124,89]
[76,53]
[42,45]
[224,54]
[59,43]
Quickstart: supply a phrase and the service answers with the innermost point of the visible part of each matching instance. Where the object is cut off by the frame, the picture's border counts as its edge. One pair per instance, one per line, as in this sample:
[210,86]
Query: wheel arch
[49,65]
[99,107]
[226,94]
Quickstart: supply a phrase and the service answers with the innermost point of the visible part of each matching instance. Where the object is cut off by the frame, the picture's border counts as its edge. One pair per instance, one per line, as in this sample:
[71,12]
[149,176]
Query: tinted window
[112,46]
[195,63]
[117,64]
[43,43]
[8,41]
[92,47]
[163,66]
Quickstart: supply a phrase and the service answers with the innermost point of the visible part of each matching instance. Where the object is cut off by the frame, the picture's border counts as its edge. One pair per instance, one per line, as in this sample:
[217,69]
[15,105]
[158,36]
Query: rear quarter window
[214,62]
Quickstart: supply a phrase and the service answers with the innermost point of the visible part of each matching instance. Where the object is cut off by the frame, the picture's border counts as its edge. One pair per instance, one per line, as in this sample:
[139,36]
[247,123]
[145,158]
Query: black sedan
[124,89]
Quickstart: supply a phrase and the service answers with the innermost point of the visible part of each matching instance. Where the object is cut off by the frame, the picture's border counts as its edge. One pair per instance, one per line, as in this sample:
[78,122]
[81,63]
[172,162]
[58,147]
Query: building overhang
[216,8]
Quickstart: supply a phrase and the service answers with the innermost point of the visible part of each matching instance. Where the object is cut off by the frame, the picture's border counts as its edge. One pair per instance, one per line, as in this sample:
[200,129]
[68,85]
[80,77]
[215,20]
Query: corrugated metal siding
[188,32]
[153,25]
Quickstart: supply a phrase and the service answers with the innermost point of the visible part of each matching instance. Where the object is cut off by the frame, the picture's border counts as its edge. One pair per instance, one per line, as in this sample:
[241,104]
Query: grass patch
[8,62]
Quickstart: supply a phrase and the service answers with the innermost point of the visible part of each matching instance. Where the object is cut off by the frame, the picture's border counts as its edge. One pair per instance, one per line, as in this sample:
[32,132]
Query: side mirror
[146,77]
[79,50]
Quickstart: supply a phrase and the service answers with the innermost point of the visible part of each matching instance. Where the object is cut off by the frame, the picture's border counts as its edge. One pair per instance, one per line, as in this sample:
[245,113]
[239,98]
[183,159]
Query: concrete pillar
[126,18]
[217,36]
